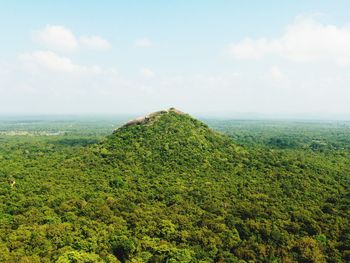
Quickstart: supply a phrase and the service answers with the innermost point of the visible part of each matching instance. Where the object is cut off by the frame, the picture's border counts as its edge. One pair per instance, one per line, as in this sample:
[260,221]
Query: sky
[224,57]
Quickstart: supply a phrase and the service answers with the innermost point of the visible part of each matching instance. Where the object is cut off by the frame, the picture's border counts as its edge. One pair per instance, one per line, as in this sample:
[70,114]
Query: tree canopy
[174,190]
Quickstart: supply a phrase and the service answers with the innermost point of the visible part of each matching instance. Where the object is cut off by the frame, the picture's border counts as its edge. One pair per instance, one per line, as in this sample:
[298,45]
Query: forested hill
[166,188]
[171,141]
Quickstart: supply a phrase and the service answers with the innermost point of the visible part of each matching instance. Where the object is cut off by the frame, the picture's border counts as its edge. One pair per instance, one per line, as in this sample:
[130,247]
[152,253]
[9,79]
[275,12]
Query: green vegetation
[173,190]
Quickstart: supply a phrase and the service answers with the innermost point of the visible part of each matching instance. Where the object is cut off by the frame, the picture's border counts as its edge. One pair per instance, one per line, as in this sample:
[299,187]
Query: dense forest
[174,189]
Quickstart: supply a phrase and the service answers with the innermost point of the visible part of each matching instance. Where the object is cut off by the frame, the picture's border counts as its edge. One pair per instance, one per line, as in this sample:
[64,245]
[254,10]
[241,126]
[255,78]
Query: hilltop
[170,140]
[150,118]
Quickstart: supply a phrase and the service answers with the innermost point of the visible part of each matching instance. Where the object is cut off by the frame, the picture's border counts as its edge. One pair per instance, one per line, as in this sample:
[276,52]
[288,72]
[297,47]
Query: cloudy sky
[265,57]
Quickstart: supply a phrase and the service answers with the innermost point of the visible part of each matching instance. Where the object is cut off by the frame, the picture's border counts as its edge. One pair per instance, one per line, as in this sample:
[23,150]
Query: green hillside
[171,142]
[166,188]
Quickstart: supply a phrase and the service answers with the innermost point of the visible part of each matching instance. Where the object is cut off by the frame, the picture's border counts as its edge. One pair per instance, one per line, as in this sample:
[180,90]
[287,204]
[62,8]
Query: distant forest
[174,190]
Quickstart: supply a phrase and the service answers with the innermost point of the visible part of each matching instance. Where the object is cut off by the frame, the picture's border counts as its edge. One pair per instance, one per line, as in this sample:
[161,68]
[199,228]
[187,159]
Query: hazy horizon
[202,115]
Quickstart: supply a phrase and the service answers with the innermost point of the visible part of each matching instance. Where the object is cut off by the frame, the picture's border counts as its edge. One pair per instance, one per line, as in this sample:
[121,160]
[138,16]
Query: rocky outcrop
[150,117]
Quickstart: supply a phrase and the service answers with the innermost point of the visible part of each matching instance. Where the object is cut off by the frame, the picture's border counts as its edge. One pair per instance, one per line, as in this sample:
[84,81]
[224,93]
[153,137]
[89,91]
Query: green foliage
[122,247]
[174,190]
[79,257]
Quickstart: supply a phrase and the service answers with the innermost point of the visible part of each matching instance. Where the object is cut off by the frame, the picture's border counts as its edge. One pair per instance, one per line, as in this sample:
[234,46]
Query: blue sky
[267,57]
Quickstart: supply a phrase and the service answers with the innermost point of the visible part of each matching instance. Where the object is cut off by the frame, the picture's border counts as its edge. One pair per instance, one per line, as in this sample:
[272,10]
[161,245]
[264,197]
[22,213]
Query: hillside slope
[226,201]
[169,141]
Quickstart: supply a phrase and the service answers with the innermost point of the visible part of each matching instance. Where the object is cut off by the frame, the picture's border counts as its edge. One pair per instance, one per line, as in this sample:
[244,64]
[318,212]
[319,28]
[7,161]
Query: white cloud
[275,74]
[56,37]
[304,40]
[60,38]
[143,43]
[49,62]
[94,43]
[51,83]
[45,81]
[148,73]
